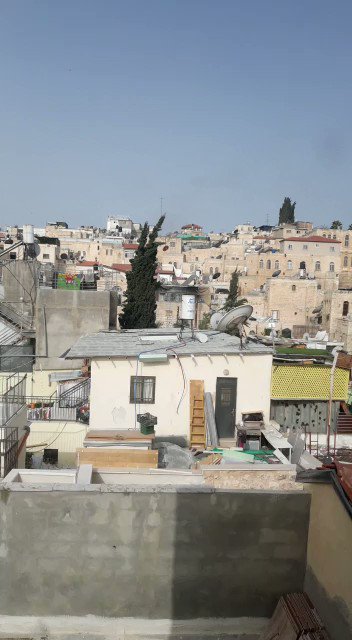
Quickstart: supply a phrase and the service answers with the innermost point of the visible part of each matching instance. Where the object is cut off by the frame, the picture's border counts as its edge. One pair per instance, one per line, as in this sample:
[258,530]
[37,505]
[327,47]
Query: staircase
[197,415]
[75,396]
[344,420]
[20,321]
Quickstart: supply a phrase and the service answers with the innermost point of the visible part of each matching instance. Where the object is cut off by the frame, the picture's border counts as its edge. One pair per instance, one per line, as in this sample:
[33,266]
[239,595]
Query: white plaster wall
[110,389]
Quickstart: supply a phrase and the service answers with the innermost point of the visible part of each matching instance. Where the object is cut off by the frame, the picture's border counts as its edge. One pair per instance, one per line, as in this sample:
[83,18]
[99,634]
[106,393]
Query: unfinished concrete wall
[154,553]
[329,561]
[64,316]
[20,280]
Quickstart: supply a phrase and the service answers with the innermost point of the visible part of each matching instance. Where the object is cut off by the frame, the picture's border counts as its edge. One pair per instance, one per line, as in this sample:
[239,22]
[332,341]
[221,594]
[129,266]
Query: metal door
[225,406]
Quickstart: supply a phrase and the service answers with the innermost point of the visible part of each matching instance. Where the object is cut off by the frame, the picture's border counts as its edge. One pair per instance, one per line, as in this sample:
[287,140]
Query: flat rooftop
[134,342]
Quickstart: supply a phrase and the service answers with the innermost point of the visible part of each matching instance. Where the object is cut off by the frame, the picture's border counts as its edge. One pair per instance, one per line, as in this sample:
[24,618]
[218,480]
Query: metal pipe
[332,380]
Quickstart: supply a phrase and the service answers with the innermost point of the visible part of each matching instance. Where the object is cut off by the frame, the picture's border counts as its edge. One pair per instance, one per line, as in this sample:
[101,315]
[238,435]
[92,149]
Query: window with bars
[142,389]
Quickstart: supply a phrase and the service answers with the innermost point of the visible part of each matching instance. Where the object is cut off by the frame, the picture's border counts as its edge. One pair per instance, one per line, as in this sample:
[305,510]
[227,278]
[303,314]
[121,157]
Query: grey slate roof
[133,342]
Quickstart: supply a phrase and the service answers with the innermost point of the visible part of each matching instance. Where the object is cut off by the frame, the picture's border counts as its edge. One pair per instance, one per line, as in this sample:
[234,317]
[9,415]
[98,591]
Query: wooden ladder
[198,438]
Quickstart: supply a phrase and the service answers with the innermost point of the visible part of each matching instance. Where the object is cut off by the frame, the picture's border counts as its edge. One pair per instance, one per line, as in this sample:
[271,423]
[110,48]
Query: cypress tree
[140,305]
[287,212]
[232,299]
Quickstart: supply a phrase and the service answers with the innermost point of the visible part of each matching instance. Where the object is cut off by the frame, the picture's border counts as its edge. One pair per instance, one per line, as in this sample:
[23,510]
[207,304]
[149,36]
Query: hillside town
[188,358]
[175,320]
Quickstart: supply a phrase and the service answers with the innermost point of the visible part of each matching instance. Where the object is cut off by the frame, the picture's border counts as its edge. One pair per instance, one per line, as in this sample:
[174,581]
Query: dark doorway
[225,406]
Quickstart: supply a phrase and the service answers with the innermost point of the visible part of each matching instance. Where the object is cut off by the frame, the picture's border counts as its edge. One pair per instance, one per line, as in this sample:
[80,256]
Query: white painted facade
[110,405]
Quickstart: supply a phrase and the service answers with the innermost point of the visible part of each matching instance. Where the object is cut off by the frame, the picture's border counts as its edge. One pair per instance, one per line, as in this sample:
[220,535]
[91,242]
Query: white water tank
[28,234]
[188,308]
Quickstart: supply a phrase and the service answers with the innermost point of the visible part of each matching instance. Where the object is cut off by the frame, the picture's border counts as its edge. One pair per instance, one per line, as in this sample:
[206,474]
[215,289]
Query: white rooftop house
[120,224]
[150,370]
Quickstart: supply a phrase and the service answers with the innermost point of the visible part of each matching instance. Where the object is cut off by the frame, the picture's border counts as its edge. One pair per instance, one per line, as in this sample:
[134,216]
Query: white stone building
[150,370]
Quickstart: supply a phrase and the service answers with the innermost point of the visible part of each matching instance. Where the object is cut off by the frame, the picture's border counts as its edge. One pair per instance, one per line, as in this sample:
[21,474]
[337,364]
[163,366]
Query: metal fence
[12,395]
[8,449]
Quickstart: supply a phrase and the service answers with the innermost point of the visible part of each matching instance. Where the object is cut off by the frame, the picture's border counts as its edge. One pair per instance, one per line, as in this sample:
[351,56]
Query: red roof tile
[130,246]
[122,267]
[310,239]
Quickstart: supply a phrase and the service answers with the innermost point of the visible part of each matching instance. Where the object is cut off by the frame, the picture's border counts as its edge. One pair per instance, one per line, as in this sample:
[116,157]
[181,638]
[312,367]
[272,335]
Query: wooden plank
[117,434]
[117,458]
[281,626]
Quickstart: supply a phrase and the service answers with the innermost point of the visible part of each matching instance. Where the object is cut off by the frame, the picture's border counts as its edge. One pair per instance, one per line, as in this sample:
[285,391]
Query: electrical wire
[45,445]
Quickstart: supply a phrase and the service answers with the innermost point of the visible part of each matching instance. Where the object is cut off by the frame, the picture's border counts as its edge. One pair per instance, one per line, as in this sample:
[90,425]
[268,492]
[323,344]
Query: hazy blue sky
[223,107]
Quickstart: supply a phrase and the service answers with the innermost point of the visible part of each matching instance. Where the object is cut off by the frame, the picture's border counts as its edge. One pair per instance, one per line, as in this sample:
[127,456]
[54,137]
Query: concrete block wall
[154,553]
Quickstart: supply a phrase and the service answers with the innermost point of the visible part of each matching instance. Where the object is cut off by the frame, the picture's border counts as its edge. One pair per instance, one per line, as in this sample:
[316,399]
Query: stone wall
[329,561]
[155,553]
[64,316]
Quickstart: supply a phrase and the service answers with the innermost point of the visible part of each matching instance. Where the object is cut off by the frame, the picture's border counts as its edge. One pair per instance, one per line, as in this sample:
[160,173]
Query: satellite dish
[190,279]
[318,309]
[201,337]
[216,275]
[234,317]
[215,319]
[166,247]
[276,273]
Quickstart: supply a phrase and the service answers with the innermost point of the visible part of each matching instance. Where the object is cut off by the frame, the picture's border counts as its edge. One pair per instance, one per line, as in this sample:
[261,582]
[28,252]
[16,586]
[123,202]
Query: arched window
[332,266]
[334,236]
[293,287]
[329,235]
[347,241]
[261,264]
[277,264]
[289,264]
[302,265]
[317,266]
[216,269]
[345,261]
[345,308]
[211,271]
[268,264]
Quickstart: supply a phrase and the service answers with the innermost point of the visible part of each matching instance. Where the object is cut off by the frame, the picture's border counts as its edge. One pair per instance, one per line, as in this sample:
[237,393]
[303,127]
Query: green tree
[139,308]
[205,321]
[232,299]
[336,224]
[350,227]
[287,211]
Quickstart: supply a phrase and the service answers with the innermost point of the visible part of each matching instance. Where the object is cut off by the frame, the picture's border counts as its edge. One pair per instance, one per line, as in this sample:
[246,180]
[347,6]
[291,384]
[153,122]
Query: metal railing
[71,405]
[76,396]
[19,320]
[8,449]
[12,395]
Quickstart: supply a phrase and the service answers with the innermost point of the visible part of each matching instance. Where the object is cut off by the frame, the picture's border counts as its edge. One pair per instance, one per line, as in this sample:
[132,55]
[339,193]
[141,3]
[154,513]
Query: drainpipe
[332,379]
